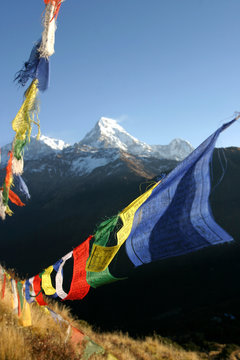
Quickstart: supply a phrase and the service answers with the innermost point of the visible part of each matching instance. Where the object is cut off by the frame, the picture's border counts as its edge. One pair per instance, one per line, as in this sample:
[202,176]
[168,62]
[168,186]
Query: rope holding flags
[36,68]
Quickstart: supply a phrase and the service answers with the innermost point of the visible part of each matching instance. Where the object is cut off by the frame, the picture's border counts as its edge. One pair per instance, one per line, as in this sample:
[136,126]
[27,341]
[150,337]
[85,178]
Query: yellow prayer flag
[22,123]
[102,256]
[26,317]
[127,215]
[111,357]
[47,282]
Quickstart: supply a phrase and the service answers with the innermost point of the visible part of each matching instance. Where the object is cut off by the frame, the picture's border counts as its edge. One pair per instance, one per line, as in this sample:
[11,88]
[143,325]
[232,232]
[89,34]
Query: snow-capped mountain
[107,133]
[45,146]
[55,144]
[107,145]
[37,149]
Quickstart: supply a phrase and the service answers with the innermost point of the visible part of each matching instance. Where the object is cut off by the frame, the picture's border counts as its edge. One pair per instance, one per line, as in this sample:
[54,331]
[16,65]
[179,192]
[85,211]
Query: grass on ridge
[47,339]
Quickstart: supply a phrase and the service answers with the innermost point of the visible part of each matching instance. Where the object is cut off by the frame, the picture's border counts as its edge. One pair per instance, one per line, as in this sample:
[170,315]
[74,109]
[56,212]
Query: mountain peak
[37,149]
[55,144]
[107,122]
[109,128]
[107,133]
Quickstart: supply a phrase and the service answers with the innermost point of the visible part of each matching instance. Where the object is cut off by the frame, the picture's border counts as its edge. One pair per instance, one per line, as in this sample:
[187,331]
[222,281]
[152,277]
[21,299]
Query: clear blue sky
[164,68]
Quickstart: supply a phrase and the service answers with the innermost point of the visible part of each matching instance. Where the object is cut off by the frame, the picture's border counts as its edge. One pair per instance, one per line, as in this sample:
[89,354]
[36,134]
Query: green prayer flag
[101,237]
[20,292]
[92,348]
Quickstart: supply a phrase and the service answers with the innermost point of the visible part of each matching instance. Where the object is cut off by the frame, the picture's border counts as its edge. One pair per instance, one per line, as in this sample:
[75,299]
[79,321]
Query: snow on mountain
[45,146]
[37,149]
[107,133]
[55,144]
[106,144]
[177,149]
[85,165]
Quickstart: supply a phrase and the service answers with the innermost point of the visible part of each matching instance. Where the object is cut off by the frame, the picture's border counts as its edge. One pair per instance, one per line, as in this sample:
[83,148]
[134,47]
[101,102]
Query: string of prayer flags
[35,68]
[172,218]
[176,219]
[22,125]
[21,307]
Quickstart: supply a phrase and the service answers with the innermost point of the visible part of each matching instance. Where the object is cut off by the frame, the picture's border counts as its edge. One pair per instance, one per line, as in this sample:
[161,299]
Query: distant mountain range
[75,187]
[107,144]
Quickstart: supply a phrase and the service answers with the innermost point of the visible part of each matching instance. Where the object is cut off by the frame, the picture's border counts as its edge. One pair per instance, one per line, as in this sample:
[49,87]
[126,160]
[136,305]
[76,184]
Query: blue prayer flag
[176,219]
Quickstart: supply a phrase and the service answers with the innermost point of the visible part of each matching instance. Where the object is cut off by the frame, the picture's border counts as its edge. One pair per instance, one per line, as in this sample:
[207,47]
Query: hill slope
[47,339]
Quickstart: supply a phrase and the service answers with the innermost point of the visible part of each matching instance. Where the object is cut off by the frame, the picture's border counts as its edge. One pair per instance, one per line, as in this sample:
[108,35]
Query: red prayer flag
[79,286]
[3,286]
[19,303]
[15,199]
[77,336]
[57,4]
[9,171]
[38,290]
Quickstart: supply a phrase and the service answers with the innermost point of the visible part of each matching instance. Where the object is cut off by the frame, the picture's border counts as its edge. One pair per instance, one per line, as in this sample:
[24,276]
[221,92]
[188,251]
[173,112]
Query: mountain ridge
[106,135]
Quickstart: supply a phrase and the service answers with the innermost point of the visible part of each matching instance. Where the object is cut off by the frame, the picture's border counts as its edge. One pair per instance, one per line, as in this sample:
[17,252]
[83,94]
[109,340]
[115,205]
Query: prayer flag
[176,219]
[59,277]
[46,281]
[38,290]
[79,286]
